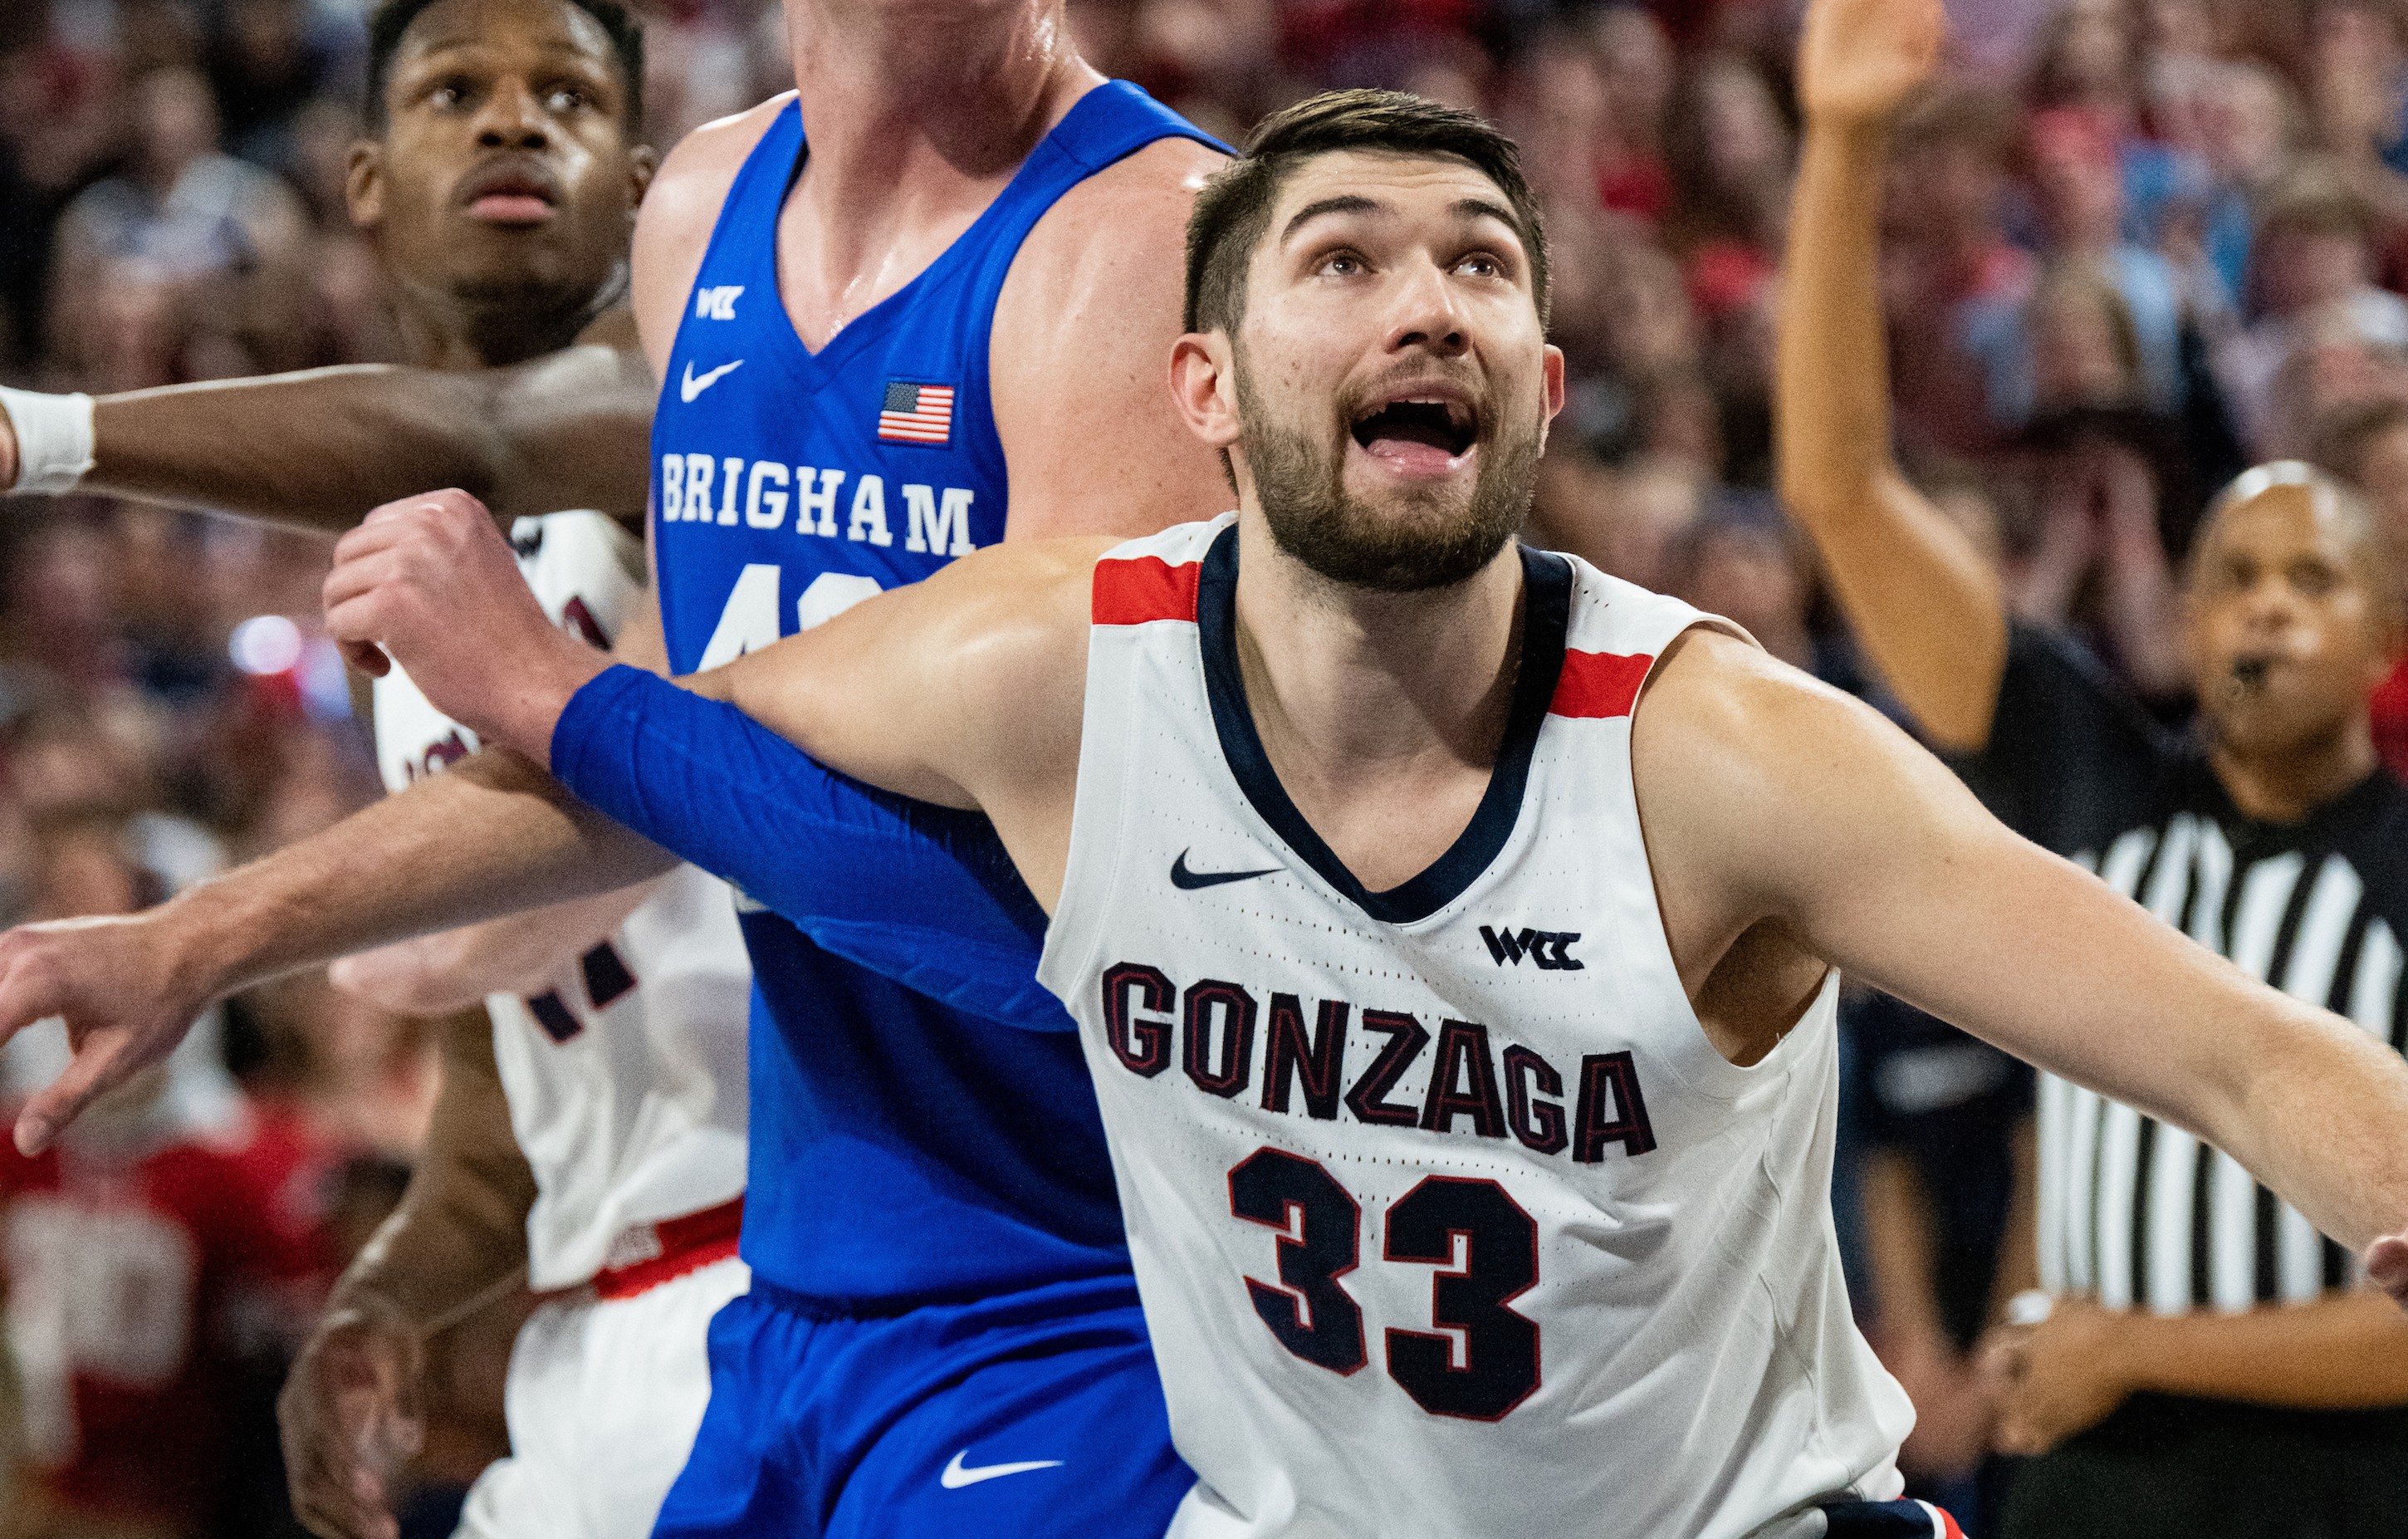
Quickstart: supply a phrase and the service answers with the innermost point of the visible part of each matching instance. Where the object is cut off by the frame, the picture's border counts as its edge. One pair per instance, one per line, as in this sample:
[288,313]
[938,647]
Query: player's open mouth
[510,195]
[1419,432]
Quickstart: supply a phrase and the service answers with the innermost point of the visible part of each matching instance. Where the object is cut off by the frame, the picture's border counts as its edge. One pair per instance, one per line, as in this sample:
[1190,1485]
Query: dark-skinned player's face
[1392,381]
[2288,629]
[506,166]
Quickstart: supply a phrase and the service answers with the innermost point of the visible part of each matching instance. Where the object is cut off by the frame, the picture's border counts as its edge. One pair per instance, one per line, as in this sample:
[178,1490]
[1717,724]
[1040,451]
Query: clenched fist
[429,583]
[351,1420]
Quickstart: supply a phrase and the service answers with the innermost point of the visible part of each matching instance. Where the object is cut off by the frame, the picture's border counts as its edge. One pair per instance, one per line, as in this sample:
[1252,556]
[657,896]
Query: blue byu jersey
[902,1151]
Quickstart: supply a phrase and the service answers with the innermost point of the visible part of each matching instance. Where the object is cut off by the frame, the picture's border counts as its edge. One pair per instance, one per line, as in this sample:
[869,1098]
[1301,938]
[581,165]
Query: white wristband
[54,440]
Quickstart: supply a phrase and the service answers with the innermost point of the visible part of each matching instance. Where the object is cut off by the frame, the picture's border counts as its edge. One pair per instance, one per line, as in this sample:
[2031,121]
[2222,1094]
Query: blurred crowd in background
[2132,246]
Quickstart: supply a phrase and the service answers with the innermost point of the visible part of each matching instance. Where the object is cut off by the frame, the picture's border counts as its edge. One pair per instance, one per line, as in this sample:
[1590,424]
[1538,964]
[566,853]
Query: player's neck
[1382,713]
[450,330]
[924,106]
[2288,786]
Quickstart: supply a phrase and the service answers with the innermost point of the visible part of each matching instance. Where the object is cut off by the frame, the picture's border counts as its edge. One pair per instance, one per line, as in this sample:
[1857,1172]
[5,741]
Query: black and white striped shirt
[2136,1212]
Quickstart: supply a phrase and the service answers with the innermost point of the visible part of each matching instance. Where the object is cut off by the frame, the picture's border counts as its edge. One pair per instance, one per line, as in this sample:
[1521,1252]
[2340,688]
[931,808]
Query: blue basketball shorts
[1889,1520]
[1037,1413]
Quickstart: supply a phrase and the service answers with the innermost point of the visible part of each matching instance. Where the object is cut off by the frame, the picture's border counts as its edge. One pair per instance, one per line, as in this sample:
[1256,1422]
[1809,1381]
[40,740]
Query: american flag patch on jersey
[916,414]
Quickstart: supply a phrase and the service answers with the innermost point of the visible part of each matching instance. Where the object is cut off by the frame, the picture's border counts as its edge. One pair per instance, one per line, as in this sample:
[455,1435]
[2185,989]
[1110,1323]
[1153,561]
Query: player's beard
[1419,541]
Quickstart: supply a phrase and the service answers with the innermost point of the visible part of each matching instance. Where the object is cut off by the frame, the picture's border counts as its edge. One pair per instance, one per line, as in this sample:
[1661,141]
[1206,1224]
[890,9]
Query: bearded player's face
[1392,381]
[507,165]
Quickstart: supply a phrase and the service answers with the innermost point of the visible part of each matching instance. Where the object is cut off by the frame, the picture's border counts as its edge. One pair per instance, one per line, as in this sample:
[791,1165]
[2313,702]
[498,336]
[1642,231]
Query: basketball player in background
[1291,777]
[2208,1362]
[500,183]
[877,356]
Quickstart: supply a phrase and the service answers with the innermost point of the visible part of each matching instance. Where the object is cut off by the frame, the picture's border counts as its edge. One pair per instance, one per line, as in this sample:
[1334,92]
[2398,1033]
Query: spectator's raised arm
[1925,604]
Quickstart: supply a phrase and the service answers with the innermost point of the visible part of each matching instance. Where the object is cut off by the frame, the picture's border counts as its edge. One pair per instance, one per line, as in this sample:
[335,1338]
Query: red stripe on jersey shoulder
[1599,684]
[1135,591]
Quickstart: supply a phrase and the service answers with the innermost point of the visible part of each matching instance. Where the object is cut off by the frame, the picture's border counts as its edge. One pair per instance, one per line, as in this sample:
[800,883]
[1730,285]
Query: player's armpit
[1766,794]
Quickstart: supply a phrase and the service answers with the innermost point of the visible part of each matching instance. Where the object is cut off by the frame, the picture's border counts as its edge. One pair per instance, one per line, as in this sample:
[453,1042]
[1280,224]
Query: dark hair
[393,19]
[1235,207]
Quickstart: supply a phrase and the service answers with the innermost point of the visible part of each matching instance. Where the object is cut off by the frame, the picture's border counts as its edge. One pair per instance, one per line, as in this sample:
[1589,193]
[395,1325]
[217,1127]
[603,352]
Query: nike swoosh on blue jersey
[957,1474]
[1182,878]
[689,387]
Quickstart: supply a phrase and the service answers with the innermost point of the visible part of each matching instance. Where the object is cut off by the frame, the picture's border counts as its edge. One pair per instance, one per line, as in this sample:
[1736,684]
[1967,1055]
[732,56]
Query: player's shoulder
[1022,590]
[705,163]
[680,208]
[1137,207]
[1717,704]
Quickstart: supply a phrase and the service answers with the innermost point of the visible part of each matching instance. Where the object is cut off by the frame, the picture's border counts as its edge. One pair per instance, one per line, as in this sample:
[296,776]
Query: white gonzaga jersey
[626,1076]
[1448,1218]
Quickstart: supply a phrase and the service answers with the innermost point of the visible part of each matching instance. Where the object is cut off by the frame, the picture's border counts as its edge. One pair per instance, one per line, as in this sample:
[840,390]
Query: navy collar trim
[1546,612]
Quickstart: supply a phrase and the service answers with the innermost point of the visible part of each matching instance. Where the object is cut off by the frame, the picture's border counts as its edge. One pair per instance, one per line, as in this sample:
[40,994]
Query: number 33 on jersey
[1451,1168]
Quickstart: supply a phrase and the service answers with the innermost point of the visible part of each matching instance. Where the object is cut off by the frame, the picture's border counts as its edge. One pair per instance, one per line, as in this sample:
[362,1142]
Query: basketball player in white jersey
[1451,930]
[621,1058]
[501,184]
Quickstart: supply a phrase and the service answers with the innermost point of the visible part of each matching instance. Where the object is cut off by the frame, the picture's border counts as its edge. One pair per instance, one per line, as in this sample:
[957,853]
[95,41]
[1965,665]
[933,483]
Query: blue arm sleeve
[924,895]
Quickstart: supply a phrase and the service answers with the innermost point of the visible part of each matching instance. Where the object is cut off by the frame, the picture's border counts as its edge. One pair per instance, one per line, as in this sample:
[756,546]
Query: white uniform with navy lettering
[1447,1216]
[626,1079]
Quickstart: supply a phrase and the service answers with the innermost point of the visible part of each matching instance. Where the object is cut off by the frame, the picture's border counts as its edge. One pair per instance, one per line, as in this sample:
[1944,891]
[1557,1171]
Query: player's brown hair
[1235,208]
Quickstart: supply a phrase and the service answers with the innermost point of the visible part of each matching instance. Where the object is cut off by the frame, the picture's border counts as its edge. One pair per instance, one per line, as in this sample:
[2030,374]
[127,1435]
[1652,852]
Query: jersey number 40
[1320,1228]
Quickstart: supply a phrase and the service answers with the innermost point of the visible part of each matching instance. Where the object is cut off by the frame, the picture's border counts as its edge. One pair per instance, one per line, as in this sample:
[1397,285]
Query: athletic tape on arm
[923,895]
[54,440]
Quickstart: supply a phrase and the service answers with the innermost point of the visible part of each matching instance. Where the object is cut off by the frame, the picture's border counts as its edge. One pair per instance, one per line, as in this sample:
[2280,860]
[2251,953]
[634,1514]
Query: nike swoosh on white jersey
[956,1474]
[691,387]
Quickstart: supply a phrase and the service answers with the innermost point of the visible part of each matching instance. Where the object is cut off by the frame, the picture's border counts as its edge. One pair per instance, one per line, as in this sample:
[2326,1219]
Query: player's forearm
[459,1234]
[2348,1351]
[455,968]
[489,837]
[322,446]
[1927,606]
[2317,1108]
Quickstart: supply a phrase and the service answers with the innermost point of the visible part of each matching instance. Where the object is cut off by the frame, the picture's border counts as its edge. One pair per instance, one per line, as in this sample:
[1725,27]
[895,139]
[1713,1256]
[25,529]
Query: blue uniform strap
[924,895]
[1103,127]
[744,243]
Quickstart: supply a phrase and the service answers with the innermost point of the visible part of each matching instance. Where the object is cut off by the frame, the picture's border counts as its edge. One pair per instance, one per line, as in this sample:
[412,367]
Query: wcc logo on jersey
[1550,949]
[717,303]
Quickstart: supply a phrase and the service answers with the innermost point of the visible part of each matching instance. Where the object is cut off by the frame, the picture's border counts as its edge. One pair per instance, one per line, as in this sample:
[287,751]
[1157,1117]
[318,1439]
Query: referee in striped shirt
[2209,1364]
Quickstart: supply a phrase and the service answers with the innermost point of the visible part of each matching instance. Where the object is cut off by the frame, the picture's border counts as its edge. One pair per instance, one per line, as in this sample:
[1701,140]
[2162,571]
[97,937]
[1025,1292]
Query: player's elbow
[421,977]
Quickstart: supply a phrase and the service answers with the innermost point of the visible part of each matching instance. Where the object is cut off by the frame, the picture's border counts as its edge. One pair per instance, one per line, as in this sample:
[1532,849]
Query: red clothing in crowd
[2390,704]
[135,1279]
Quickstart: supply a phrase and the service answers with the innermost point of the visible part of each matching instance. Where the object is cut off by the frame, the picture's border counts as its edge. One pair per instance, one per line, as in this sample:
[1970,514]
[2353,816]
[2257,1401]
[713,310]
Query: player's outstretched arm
[1767,798]
[489,836]
[320,447]
[1927,606]
[456,968]
[350,1411]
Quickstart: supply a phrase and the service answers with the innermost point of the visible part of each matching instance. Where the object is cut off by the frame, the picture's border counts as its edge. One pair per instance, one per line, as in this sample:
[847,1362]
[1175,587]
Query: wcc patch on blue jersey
[904,1152]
